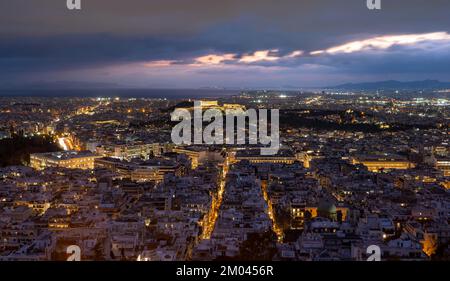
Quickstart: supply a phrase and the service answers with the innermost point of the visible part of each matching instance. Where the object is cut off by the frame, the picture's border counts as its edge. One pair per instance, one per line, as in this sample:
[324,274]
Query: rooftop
[65,155]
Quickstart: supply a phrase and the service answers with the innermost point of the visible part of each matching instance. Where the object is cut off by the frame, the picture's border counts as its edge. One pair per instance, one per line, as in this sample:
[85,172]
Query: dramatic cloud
[215,59]
[197,43]
[385,42]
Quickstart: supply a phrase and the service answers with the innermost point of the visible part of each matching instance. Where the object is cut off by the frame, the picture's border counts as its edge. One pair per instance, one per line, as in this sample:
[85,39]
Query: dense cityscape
[218,140]
[354,169]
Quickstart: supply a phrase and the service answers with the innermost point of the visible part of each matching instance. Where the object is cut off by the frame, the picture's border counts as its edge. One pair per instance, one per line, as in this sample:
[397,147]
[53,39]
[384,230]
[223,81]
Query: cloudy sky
[222,43]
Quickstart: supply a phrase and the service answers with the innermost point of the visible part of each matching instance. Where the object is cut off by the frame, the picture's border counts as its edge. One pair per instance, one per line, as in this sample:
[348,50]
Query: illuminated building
[306,158]
[191,154]
[233,106]
[254,157]
[378,163]
[140,171]
[215,105]
[154,173]
[443,164]
[446,184]
[65,159]
[50,129]
[299,211]
[200,155]
[129,152]
[37,206]
[209,104]
[440,150]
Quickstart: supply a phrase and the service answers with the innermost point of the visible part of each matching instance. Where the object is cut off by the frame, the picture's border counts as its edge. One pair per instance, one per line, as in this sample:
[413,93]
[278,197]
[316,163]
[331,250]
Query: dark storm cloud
[145,17]
[39,36]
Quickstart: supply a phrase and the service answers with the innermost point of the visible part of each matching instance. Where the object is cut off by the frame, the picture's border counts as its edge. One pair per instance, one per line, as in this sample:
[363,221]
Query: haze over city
[226,131]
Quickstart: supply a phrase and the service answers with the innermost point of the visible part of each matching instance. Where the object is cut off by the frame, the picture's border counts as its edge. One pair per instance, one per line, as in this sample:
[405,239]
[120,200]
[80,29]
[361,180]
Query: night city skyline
[216,139]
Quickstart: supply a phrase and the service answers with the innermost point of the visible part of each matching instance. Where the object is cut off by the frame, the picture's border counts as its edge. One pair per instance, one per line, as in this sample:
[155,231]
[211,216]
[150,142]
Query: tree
[258,247]
[283,218]
[308,216]
[339,216]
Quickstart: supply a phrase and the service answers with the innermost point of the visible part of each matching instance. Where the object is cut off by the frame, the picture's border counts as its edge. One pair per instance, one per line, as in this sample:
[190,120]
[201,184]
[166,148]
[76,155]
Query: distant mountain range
[394,85]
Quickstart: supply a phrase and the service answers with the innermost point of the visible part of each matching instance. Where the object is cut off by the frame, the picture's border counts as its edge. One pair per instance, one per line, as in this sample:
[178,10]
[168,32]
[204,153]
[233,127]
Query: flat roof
[257,153]
[65,155]
[381,157]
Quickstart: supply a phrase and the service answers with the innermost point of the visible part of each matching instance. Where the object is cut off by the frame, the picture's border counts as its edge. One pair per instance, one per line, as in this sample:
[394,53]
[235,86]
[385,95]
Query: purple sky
[212,43]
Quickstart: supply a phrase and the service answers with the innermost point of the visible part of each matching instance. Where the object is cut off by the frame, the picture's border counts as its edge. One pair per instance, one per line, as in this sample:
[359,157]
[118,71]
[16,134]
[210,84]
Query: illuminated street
[210,219]
[278,231]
